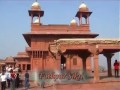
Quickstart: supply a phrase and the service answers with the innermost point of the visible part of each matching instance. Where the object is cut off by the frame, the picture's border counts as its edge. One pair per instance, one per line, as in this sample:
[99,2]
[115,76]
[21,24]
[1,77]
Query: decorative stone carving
[94,51]
[87,41]
[55,47]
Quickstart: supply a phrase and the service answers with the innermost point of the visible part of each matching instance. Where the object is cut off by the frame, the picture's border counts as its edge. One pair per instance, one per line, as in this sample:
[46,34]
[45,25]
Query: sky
[14,20]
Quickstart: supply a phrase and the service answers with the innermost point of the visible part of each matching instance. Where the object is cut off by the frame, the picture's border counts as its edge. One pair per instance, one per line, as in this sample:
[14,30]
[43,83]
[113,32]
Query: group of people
[10,77]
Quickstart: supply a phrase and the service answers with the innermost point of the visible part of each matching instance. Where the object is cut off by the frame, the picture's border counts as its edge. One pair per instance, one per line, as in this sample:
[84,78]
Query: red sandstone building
[41,36]
[72,46]
[9,61]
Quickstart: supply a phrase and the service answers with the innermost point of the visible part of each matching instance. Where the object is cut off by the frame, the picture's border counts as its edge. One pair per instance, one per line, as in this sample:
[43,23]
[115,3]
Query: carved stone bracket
[61,50]
[95,50]
[108,55]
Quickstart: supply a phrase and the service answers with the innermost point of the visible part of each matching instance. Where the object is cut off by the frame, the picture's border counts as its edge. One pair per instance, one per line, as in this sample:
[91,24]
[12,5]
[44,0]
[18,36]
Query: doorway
[63,62]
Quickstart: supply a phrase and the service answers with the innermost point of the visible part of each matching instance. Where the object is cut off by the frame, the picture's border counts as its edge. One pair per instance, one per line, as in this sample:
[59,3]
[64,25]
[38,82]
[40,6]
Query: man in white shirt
[8,77]
[3,81]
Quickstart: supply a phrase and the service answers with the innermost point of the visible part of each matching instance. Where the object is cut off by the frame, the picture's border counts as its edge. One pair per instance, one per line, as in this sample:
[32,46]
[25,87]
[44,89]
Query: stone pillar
[80,20]
[67,63]
[58,64]
[109,56]
[95,53]
[31,60]
[96,67]
[87,19]
[84,64]
[39,18]
[31,19]
[84,57]
[42,60]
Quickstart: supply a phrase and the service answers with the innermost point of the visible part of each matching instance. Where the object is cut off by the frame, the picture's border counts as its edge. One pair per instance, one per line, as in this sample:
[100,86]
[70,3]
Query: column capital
[58,56]
[95,50]
[84,56]
[62,50]
[108,55]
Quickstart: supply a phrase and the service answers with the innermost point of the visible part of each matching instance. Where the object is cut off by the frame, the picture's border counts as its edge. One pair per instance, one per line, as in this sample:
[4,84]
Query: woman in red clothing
[116,68]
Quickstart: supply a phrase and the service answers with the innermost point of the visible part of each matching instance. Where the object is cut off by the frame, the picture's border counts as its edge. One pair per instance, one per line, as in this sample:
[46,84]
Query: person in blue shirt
[26,80]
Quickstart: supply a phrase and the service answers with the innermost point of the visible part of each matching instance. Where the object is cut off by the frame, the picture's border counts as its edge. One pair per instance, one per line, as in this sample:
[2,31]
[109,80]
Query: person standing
[8,78]
[17,80]
[42,83]
[26,80]
[3,81]
[12,80]
[116,68]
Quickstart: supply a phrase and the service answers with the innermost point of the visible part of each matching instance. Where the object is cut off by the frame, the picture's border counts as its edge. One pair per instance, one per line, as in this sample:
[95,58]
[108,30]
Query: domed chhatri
[83,7]
[83,12]
[36,6]
[35,11]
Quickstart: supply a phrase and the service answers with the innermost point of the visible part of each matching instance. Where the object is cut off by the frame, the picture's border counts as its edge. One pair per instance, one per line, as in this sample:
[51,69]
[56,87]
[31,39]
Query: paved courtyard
[92,86]
[104,84]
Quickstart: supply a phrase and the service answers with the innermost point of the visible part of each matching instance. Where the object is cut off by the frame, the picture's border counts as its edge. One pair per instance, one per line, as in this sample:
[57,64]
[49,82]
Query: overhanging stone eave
[88,41]
[18,57]
[111,44]
[27,38]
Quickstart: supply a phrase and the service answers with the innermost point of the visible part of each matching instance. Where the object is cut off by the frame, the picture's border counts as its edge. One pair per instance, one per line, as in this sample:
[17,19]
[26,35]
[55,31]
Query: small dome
[35,5]
[36,20]
[73,21]
[83,5]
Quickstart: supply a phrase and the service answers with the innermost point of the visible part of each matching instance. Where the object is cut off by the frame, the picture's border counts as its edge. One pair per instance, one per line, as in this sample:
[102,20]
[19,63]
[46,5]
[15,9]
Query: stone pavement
[102,85]
[89,86]
[105,83]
